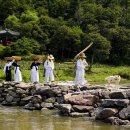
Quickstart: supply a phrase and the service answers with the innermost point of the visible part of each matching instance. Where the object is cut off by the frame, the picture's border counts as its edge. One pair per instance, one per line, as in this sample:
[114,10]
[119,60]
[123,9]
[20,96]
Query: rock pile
[108,105]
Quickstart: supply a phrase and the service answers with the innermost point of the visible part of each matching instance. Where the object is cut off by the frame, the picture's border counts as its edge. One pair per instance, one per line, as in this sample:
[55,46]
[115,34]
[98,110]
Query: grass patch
[66,71]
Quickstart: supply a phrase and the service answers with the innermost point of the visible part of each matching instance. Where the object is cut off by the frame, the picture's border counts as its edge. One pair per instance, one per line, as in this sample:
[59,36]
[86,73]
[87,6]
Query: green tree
[23,46]
[120,51]
[12,22]
[8,7]
[100,49]
[65,41]
[2,51]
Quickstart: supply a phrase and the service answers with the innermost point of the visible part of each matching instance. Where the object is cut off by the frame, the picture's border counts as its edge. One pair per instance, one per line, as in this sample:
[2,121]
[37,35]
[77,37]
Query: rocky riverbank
[93,101]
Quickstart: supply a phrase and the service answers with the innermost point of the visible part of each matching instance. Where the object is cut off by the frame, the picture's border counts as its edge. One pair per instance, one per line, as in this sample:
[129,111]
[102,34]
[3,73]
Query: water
[14,118]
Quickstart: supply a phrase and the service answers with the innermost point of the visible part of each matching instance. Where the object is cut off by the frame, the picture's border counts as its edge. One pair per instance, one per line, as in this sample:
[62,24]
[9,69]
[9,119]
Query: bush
[23,46]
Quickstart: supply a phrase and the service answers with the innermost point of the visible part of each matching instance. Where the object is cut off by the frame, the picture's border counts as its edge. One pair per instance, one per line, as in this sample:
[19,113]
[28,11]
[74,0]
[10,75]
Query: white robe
[8,65]
[34,74]
[80,72]
[49,68]
[17,74]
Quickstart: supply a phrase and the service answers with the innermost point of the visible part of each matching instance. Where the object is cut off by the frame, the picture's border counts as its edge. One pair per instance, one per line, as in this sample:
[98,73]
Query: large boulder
[9,98]
[65,108]
[121,103]
[125,113]
[118,95]
[86,100]
[44,91]
[116,121]
[106,112]
[47,105]
[82,109]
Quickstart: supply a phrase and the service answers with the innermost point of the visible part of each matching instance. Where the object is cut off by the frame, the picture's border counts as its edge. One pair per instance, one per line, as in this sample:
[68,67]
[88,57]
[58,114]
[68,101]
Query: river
[16,118]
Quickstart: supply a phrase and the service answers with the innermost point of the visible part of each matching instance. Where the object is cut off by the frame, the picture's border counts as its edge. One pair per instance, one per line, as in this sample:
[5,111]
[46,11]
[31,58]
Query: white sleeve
[52,65]
[78,63]
[10,63]
[45,64]
[5,68]
[85,63]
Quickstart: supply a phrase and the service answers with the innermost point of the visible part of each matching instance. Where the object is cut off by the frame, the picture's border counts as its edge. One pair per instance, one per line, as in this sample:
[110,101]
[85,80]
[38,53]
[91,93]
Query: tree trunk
[91,63]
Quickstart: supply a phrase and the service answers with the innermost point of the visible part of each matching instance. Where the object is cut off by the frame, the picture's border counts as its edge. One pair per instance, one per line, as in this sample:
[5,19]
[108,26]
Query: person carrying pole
[80,69]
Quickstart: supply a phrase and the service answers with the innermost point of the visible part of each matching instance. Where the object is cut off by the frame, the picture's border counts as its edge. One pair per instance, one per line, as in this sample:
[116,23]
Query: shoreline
[92,101]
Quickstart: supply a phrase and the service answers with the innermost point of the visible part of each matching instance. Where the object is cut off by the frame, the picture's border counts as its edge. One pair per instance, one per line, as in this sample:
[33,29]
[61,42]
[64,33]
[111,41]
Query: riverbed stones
[115,103]
[77,114]
[9,98]
[65,108]
[82,109]
[80,99]
[93,101]
[125,113]
[118,95]
[116,121]
[47,105]
[106,112]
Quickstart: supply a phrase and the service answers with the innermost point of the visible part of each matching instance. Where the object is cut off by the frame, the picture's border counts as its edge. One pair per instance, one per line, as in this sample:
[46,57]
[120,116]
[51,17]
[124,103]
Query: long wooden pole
[86,48]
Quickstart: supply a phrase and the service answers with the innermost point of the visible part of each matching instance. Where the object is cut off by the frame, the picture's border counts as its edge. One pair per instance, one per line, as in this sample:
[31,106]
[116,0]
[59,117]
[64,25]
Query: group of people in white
[49,70]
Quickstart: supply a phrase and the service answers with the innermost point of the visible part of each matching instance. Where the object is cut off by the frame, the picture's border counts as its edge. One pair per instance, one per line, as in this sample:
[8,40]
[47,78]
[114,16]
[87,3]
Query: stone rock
[104,94]
[60,100]
[1,99]
[24,85]
[94,99]
[1,85]
[67,96]
[9,98]
[106,112]
[77,114]
[36,99]
[14,94]
[37,106]
[51,100]
[125,113]
[86,100]
[47,105]
[118,95]
[5,103]
[65,108]
[16,99]
[29,106]
[116,121]
[44,91]
[14,83]
[78,108]
[121,103]
[128,94]
[20,91]
[28,98]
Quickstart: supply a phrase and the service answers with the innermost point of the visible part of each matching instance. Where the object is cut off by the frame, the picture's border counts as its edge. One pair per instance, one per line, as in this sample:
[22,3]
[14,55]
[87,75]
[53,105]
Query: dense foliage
[65,27]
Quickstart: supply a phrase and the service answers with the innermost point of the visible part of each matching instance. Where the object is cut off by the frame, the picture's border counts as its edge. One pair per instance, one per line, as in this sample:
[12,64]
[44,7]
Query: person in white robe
[49,69]
[17,72]
[34,72]
[7,69]
[80,70]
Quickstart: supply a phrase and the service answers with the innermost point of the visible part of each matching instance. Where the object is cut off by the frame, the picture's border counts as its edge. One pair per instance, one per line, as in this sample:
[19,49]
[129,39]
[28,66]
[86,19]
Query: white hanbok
[8,65]
[17,74]
[7,70]
[80,72]
[49,68]
[34,72]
